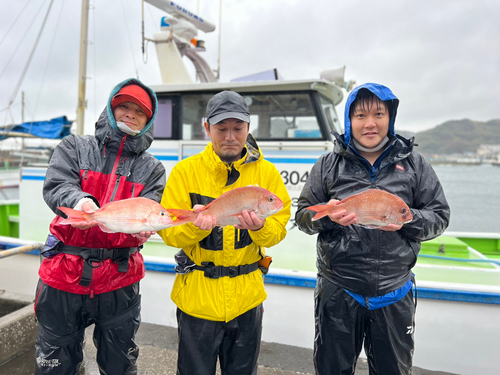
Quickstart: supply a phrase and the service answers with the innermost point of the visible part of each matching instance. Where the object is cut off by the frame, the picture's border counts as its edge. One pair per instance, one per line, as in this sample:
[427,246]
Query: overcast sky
[441,58]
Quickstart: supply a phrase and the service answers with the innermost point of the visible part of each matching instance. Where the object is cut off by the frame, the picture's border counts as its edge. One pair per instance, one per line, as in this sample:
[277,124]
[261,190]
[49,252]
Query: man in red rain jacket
[88,276]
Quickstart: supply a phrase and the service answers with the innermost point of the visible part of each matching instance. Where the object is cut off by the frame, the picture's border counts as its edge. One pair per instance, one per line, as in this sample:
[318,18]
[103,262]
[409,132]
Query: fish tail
[74,216]
[321,210]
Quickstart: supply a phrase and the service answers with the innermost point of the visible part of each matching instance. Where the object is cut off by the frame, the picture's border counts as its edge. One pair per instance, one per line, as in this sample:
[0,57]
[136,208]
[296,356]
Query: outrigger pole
[21,249]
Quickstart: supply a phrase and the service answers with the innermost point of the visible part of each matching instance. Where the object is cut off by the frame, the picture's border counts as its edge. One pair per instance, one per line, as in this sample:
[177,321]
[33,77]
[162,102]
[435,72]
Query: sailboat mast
[82,74]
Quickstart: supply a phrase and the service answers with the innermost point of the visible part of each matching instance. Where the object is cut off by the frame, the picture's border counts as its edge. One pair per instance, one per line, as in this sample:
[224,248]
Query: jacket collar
[401,147]
[230,171]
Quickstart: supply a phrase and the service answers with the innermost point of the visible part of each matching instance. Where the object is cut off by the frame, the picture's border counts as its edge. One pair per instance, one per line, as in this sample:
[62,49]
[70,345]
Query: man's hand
[87,205]
[340,217]
[143,236]
[204,222]
[250,221]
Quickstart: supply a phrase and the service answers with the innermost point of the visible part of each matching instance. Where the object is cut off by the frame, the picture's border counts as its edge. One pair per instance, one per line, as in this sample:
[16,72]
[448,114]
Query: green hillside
[457,136]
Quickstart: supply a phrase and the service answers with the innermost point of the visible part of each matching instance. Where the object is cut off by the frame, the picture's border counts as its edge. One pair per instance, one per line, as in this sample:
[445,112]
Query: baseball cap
[135,94]
[227,104]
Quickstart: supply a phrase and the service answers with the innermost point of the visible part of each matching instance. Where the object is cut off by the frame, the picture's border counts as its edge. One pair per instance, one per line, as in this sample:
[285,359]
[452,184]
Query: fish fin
[183,216]
[105,229]
[74,216]
[180,214]
[371,226]
[321,211]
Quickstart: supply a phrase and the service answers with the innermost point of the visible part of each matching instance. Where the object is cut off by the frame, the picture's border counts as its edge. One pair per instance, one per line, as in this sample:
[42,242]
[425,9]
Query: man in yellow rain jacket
[219,287]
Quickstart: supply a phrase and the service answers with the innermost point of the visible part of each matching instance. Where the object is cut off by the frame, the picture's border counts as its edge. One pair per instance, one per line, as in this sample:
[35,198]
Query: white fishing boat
[458,274]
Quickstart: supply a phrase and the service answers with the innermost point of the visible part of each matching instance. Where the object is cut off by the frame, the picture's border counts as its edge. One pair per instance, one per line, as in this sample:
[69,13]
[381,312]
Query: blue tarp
[56,128]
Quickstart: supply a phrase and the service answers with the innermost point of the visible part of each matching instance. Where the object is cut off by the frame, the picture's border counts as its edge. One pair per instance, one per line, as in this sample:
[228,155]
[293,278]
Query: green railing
[9,218]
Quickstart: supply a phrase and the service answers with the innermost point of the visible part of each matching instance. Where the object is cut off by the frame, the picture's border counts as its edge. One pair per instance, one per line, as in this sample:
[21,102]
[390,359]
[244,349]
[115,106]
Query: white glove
[89,207]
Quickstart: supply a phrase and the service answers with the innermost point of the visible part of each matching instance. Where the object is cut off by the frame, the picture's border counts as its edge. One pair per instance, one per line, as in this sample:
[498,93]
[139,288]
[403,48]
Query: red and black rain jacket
[107,167]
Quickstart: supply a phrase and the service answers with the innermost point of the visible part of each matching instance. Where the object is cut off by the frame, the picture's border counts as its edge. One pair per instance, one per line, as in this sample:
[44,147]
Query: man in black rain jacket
[364,287]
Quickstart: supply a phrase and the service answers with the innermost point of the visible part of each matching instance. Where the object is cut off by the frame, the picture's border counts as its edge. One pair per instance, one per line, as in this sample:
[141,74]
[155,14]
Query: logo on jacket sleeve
[400,167]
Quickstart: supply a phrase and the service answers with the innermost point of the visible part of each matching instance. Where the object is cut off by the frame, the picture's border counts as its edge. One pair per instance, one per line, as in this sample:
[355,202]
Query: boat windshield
[274,116]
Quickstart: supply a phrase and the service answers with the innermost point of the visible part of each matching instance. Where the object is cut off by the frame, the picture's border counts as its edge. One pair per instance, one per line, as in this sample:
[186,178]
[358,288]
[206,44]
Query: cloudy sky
[441,58]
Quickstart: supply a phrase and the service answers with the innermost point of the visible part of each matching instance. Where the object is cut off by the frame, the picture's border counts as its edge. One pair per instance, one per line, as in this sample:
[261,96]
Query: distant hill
[457,136]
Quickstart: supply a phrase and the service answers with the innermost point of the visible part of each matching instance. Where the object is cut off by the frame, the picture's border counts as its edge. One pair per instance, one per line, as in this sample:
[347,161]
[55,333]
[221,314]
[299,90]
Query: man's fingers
[205,222]
[343,219]
[197,208]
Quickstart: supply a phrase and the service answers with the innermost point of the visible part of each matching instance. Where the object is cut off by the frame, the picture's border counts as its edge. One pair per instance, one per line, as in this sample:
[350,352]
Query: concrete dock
[157,342]
[158,356]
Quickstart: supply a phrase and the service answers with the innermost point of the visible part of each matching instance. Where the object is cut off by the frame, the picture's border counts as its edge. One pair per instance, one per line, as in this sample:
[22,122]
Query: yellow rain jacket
[200,179]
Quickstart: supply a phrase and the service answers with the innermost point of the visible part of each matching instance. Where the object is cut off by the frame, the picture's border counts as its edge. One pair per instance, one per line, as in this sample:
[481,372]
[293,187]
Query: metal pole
[142,26]
[22,107]
[82,74]
[21,249]
[220,33]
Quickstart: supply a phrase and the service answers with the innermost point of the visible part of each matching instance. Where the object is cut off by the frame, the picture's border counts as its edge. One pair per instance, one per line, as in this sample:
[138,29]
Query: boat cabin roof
[326,88]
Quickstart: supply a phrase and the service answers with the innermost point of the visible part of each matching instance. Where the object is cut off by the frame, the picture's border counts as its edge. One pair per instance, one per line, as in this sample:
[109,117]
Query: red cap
[135,94]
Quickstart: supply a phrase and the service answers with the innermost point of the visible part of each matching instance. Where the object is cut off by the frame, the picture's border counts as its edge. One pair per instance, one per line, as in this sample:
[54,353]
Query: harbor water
[473,193]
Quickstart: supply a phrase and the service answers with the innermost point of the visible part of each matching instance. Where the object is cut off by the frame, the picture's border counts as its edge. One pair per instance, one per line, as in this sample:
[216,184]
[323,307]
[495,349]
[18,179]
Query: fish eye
[271,199]
[162,213]
[403,210]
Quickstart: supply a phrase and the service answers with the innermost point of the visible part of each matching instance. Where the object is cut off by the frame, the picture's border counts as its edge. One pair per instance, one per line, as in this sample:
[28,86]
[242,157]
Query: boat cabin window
[274,116]
[163,123]
[283,116]
[332,121]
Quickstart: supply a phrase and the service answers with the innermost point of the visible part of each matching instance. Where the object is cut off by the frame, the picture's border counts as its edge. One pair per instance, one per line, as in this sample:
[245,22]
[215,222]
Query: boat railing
[454,259]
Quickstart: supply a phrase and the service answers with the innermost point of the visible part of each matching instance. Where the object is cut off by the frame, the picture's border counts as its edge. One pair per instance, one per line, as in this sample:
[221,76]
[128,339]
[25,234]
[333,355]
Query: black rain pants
[63,317]
[236,344]
[342,325]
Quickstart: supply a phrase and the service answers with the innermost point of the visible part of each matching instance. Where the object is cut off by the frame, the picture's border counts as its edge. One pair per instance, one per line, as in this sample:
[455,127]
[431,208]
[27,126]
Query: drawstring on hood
[381,92]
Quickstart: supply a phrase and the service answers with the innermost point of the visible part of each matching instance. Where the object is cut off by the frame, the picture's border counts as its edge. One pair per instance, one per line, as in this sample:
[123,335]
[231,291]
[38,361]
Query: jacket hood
[152,95]
[107,132]
[383,93]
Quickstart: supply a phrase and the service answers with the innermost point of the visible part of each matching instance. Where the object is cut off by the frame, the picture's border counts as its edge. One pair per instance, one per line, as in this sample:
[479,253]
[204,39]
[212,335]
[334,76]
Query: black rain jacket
[372,262]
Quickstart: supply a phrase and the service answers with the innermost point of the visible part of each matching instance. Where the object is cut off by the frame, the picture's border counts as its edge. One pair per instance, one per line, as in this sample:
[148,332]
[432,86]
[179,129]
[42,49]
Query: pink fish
[229,206]
[132,215]
[373,208]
